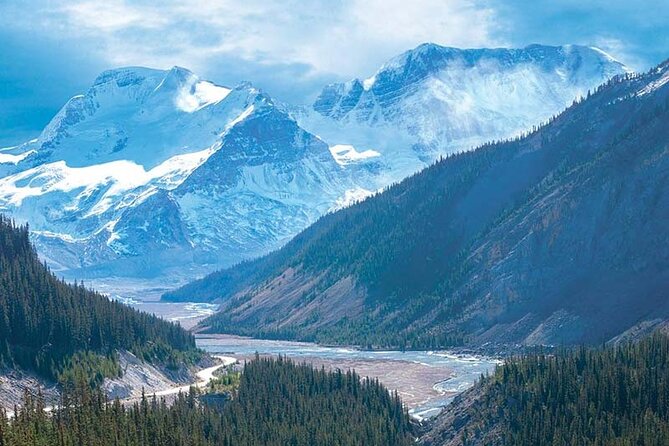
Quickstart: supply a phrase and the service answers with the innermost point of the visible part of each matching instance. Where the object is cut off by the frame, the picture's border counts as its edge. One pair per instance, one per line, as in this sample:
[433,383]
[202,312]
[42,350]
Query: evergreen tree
[62,331]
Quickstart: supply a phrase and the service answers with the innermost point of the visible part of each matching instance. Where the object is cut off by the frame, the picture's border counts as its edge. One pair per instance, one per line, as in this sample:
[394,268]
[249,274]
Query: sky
[51,50]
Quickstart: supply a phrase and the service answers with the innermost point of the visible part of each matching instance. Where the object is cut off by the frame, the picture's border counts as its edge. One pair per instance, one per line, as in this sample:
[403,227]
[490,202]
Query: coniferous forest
[61,330]
[277,403]
[435,261]
[614,396]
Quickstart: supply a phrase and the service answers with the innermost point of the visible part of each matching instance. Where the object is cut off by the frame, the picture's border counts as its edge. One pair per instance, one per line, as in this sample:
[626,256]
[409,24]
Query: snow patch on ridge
[609,58]
[6,158]
[656,84]
[351,197]
[345,154]
[368,83]
[195,97]
[118,177]
[242,116]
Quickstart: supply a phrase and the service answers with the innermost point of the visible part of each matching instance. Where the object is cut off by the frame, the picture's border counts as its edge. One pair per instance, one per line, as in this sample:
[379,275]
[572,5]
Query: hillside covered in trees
[558,236]
[60,330]
[278,403]
[616,396]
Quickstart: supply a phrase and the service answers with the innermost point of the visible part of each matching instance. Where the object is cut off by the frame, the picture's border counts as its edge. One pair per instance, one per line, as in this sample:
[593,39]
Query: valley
[407,225]
[160,176]
[425,380]
[555,237]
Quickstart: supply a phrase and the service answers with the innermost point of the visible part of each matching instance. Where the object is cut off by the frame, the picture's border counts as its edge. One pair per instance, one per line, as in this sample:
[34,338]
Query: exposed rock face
[448,427]
[138,377]
[162,175]
[141,377]
[557,237]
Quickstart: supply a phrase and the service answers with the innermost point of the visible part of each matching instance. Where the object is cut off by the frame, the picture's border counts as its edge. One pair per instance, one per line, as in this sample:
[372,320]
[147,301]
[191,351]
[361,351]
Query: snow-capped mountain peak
[159,172]
[141,115]
[162,163]
[432,100]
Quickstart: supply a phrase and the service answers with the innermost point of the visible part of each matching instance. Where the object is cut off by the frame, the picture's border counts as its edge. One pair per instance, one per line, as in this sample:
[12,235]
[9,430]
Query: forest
[277,403]
[63,331]
[612,396]
[422,252]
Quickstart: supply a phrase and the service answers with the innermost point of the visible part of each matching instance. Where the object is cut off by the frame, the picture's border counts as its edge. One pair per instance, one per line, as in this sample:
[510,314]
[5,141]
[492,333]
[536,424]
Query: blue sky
[50,50]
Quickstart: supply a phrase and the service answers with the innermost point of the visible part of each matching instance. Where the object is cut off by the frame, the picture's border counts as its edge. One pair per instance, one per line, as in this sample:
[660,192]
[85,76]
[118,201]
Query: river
[426,380]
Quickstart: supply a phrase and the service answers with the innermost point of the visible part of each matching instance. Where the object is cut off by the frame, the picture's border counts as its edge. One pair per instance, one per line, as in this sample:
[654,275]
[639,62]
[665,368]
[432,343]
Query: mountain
[152,172]
[433,101]
[614,396]
[161,175]
[59,330]
[558,236]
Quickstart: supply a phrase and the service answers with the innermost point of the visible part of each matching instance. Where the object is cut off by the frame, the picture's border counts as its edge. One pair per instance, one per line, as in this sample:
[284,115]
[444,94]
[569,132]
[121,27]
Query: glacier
[161,175]
[433,101]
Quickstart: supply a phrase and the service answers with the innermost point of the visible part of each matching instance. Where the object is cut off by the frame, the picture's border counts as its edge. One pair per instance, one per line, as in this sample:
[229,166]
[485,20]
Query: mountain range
[160,174]
[558,236]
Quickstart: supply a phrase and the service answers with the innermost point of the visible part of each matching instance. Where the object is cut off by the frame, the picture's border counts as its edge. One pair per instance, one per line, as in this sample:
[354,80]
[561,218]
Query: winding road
[204,376]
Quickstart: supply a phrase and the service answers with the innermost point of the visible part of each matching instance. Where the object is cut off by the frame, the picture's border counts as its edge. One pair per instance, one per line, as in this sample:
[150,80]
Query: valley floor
[416,383]
[426,381]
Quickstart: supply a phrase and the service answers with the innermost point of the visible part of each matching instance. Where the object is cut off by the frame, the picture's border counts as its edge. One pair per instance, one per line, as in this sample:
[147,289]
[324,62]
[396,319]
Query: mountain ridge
[486,255]
[230,173]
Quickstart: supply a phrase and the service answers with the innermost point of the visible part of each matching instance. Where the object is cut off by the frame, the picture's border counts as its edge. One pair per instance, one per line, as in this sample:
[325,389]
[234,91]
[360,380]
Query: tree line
[277,403]
[613,396]
[45,322]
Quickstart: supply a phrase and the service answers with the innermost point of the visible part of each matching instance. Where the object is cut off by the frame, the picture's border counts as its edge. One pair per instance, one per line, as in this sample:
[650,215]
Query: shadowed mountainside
[556,237]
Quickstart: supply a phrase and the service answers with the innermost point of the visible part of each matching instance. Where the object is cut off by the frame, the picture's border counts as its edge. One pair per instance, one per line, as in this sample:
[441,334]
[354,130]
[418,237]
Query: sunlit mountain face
[555,237]
[155,173]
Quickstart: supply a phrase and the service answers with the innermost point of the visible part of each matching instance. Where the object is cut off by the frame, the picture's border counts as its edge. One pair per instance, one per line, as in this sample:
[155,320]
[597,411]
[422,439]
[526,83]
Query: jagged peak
[530,52]
[260,97]
[178,76]
[431,57]
[181,71]
[127,73]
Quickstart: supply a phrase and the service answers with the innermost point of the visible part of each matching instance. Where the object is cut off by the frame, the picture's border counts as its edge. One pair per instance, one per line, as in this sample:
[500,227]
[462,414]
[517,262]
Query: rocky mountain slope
[155,171]
[160,174]
[555,237]
[433,101]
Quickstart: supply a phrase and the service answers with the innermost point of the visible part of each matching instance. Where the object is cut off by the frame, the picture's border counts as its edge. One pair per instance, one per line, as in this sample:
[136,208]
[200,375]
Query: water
[459,371]
[185,313]
[429,384]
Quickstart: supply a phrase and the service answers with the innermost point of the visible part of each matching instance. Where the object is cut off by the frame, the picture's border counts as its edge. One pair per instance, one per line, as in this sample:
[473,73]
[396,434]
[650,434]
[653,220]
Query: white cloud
[52,49]
[349,37]
[111,15]
[621,50]
[371,31]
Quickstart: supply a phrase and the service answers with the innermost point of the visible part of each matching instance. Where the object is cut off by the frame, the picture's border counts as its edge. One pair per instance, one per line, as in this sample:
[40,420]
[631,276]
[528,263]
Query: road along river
[203,377]
[426,380]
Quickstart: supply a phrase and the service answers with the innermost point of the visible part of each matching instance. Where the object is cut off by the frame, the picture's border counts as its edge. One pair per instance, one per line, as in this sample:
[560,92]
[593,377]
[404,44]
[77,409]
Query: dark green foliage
[566,217]
[61,330]
[278,403]
[89,368]
[587,397]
